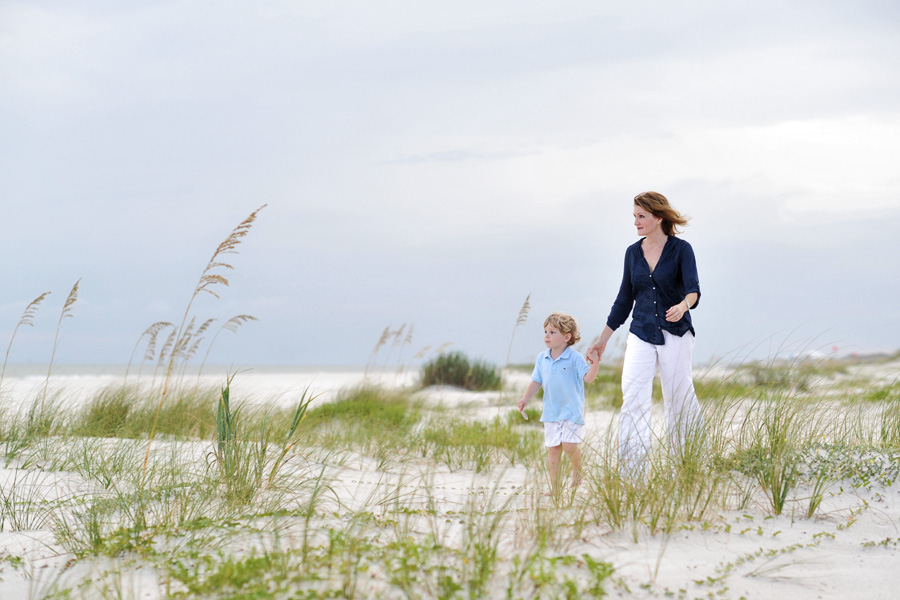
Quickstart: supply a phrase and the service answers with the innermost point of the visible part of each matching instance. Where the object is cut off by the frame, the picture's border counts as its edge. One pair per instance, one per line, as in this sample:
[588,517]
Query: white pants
[673,359]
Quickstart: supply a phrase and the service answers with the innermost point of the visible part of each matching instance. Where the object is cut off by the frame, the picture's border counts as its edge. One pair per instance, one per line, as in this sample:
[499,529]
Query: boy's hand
[597,349]
[521,404]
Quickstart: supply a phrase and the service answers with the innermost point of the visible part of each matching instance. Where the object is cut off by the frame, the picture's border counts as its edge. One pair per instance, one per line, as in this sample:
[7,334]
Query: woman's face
[645,222]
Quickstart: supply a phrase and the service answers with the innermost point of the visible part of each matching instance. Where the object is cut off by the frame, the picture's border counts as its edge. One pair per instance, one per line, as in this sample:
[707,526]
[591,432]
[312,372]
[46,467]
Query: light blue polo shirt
[563,383]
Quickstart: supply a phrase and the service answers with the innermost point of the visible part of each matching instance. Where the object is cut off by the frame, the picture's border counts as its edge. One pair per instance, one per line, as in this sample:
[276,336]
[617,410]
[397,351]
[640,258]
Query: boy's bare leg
[574,453]
[553,455]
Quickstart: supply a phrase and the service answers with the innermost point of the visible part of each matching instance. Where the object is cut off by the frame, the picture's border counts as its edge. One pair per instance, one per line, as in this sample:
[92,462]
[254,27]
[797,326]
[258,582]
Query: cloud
[436,164]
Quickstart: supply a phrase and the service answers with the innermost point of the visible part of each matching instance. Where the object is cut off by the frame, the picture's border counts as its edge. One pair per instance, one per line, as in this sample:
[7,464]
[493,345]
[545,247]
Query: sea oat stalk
[231,325]
[66,313]
[521,320]
[26,319]
[209,279]
[150,334]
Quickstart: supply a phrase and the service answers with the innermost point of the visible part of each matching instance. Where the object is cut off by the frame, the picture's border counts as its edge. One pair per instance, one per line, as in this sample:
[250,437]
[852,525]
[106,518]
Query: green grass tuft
[456,369]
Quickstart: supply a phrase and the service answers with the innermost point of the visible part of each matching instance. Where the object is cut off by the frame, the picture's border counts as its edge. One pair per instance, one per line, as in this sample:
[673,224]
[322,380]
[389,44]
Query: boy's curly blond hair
[565,324]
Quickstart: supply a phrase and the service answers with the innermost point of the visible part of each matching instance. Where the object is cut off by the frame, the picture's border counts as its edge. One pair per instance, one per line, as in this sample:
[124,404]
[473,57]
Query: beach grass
[161,487]
[381,492]
[456,369]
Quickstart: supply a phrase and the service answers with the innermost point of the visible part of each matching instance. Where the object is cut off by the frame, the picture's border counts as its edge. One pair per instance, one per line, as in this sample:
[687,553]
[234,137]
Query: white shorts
[558,432]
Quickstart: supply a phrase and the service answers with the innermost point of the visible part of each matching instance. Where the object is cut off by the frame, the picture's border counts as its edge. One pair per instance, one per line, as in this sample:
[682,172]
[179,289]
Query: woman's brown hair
[657,205]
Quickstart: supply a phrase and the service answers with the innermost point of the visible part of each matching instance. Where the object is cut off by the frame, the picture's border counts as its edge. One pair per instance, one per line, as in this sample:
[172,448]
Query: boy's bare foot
[576,482]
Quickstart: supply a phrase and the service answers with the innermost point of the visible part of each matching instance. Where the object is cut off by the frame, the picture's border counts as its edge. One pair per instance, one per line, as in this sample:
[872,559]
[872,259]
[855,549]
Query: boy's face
[554,339]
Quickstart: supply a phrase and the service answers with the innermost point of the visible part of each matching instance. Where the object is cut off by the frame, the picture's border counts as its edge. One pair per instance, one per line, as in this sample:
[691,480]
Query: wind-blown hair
[657,205]
[565,324]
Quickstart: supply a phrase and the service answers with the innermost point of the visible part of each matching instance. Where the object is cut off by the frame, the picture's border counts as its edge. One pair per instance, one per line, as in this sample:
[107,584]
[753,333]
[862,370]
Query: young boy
[562,372]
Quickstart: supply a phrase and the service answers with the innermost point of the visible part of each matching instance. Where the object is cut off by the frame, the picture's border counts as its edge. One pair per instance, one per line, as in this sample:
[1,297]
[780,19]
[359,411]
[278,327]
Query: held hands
[677,312]
[595,350]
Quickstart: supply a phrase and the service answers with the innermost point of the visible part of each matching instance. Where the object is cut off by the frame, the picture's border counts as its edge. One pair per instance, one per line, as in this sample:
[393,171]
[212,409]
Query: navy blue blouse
[652,294]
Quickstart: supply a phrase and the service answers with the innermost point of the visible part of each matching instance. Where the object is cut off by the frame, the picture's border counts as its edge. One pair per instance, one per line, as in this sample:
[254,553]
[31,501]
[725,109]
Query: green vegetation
[245,501]
[456,369]
[129,412]
[476,445]
[380,493]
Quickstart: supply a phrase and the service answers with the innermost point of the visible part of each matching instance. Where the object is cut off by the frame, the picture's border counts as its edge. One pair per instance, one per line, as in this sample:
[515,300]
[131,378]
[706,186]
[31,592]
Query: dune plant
[241,471]
[769,452]
[210,278]
[150,334]
[407,529]
[889,426]
[463,444]
[397,339]
[455,368]
[245,463]
[42,418]
[382,340]
[64,314]
[106,414]
[127,412]
[289,440]
[819,476]
[191,344]
[672,485]
[482,534]
[135,509]
[163,355]
[367,419]
[27,319]
[520,320]
[22,505]
[232,325]
[407,341]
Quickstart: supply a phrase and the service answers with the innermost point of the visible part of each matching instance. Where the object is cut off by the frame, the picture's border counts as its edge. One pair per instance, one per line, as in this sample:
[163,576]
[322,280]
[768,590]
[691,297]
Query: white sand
[848,550]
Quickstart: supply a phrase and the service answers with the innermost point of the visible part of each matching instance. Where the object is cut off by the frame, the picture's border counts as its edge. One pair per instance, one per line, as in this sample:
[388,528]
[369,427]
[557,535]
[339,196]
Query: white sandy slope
[850,549]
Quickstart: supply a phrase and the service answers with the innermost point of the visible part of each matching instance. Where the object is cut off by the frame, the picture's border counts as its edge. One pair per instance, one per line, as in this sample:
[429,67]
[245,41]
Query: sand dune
[849,549]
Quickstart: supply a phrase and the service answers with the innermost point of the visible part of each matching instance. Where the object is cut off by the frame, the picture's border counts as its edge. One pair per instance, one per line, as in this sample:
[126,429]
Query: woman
[660,283]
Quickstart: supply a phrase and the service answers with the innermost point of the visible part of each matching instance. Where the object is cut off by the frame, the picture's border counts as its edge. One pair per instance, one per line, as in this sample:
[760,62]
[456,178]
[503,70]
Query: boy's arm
[595,365]
[532,389]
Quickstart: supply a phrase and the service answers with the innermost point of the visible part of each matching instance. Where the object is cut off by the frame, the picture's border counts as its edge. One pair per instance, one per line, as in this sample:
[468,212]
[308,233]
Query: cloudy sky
[433,163]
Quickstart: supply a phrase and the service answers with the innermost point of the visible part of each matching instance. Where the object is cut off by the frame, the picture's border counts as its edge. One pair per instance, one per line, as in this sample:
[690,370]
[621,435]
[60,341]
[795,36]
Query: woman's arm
[600,346]
[677,312]
[691,285]
[624,301]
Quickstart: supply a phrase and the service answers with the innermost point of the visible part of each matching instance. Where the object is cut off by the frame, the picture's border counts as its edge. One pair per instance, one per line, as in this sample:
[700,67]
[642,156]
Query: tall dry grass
[520,320]
[64,314]
[26,320]
[210,279]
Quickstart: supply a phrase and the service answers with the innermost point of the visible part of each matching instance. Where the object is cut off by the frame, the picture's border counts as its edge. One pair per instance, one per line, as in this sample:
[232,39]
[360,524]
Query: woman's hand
[596,350]
[599,346]
[677,312]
